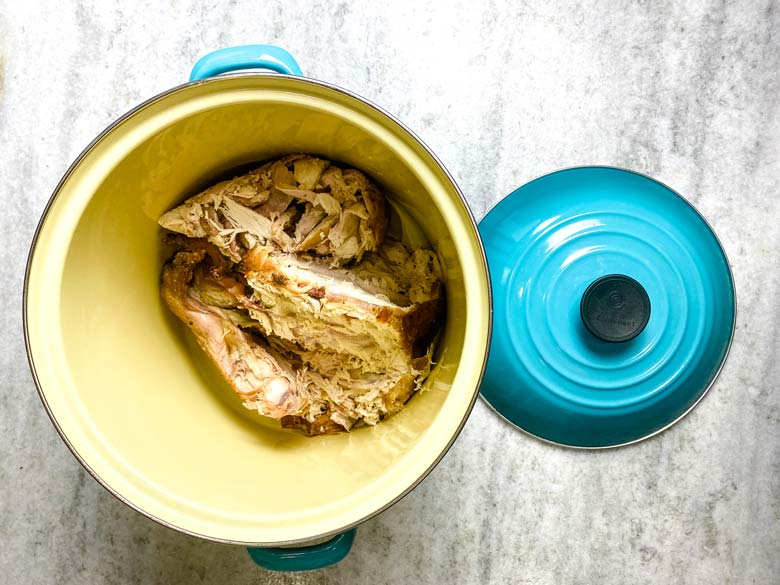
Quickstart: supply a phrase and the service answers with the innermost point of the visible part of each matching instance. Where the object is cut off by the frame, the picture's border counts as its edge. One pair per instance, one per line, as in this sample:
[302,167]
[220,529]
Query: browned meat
[322,308]
[321,425]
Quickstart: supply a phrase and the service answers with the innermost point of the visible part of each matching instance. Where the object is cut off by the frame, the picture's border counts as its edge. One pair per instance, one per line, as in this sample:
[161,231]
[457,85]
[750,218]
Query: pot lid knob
[615,308]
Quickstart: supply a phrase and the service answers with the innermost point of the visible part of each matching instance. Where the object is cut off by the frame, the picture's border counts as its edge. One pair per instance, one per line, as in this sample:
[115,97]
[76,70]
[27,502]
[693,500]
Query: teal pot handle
[330,552]
[305,558]
[245,57]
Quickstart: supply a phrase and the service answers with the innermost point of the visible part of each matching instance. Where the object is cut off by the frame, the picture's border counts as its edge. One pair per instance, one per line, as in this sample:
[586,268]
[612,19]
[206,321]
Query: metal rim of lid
[729,343]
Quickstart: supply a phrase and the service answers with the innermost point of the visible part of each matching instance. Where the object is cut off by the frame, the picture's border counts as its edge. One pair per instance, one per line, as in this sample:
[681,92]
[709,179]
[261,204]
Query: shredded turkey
[262,377]
[304,300]
[288,282]
[296,204]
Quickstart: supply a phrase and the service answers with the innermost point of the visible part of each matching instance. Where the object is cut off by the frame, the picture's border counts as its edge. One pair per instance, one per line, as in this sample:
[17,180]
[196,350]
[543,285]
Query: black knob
[615,308]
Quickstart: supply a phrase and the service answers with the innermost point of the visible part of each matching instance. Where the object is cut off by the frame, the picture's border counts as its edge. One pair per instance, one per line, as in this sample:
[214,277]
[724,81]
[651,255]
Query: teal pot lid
[613,305]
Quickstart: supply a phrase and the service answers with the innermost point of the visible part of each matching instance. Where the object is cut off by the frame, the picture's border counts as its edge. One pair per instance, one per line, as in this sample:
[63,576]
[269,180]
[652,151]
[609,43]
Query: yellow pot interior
[128,388]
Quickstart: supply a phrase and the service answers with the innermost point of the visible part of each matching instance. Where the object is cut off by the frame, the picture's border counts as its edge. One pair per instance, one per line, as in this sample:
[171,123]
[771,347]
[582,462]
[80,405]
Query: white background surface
[503,92]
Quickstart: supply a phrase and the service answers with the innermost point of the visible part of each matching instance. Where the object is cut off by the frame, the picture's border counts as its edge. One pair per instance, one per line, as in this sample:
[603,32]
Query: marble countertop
[503,92]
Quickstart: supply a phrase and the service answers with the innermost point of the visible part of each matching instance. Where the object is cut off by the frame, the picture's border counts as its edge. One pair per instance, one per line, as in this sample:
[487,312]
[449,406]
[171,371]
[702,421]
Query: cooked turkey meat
[296,204]
[289,284]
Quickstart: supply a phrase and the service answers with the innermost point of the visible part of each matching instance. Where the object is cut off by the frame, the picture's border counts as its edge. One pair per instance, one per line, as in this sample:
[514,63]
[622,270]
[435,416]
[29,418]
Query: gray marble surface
[685,91]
